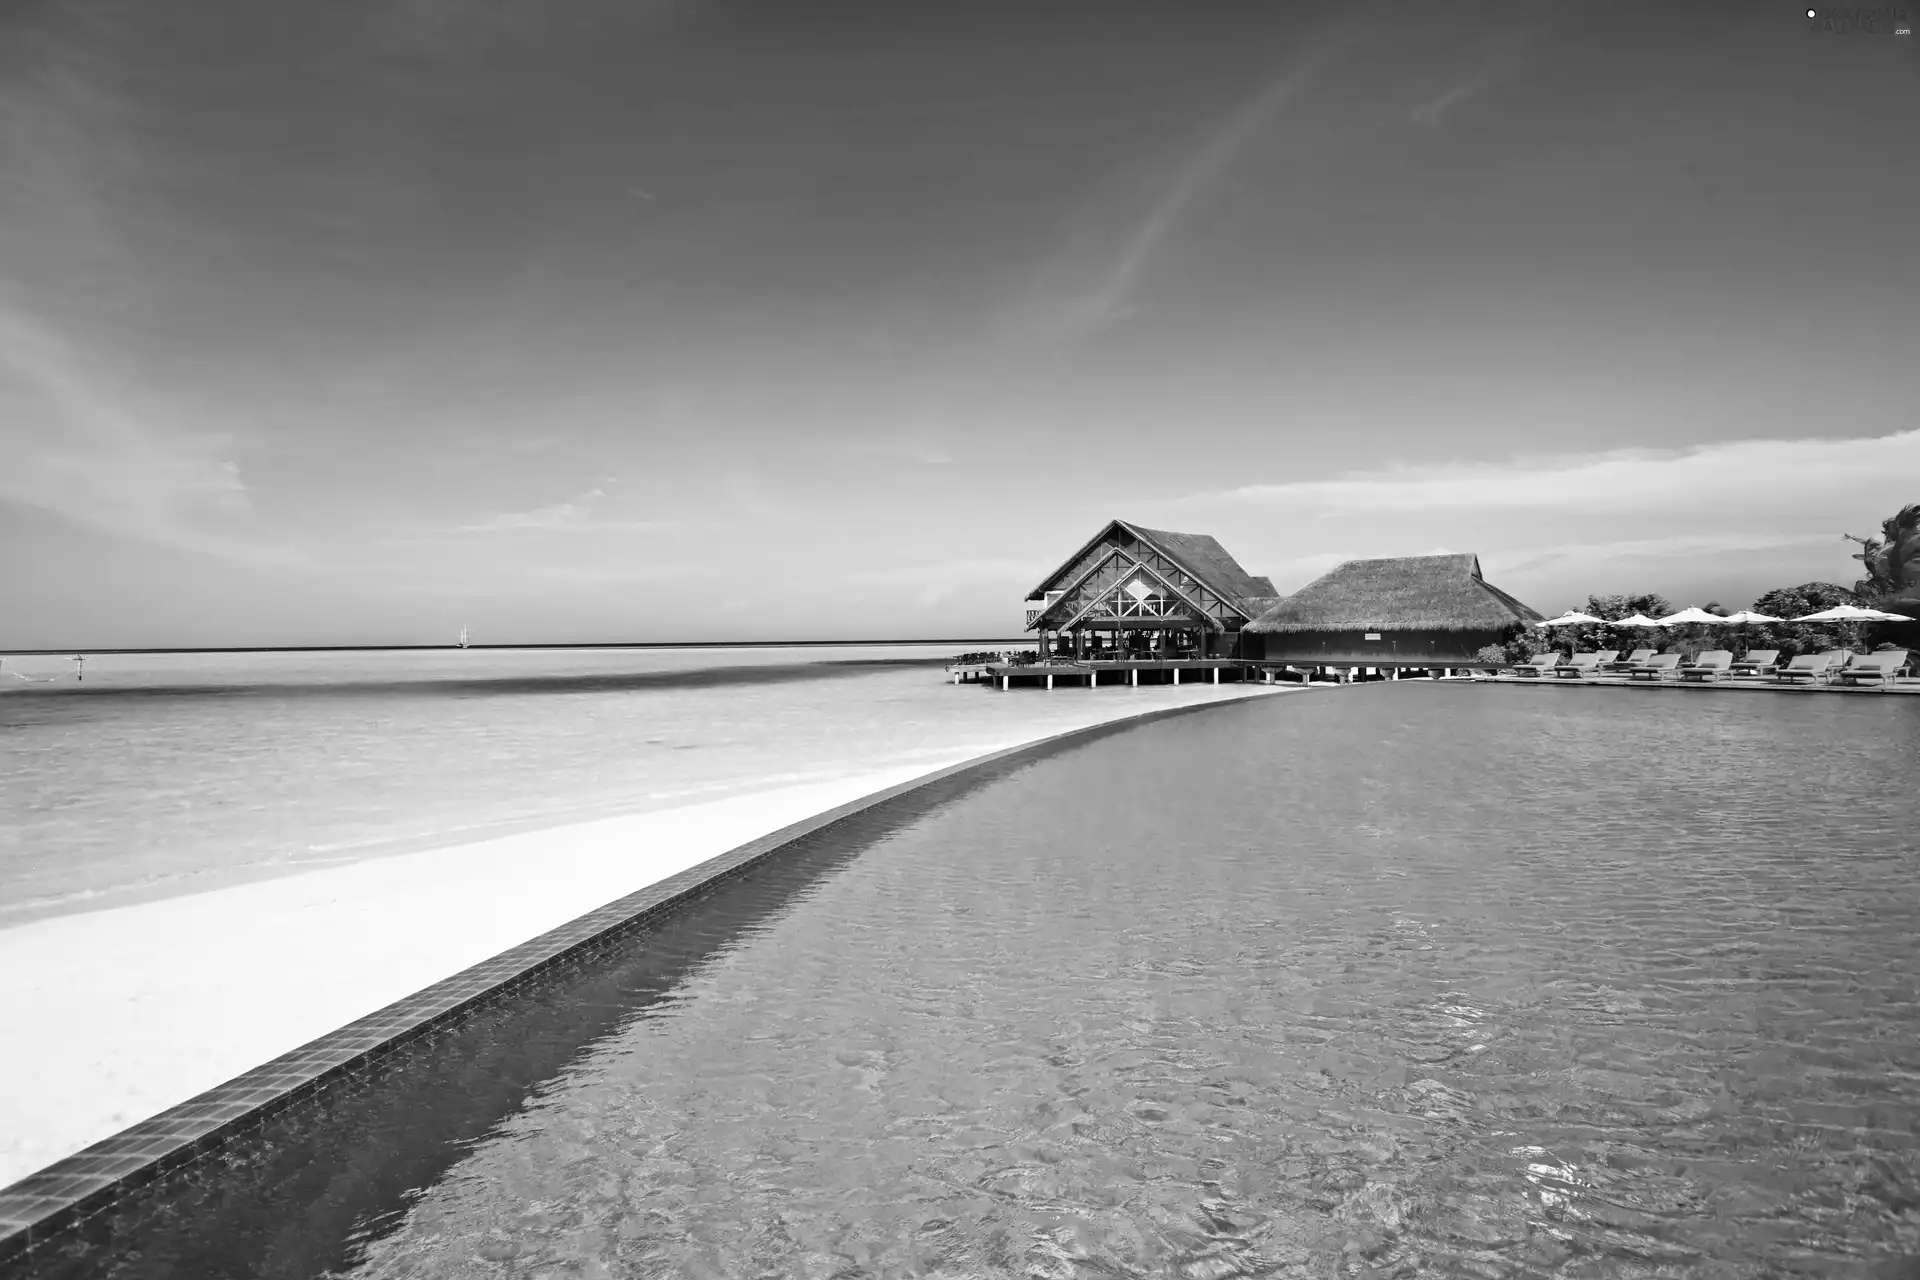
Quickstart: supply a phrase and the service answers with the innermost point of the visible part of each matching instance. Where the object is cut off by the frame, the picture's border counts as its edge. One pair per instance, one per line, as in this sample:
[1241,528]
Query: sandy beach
[120,1013]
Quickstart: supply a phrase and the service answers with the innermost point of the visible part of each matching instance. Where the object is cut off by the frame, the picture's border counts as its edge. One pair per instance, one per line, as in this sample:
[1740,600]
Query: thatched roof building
[1129,582]
[1406,611]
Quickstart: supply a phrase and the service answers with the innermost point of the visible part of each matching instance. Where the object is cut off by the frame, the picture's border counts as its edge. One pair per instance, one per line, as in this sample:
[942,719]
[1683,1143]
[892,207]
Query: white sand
[115,1015]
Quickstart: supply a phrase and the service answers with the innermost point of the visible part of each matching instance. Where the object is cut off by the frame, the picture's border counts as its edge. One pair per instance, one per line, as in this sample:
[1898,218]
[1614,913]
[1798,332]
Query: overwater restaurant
[1139,594]
[1163,601]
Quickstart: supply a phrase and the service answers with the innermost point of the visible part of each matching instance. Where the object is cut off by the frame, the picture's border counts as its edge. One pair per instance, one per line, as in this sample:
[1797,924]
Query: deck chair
[1878,668]
[1709,666]
[1658,667]
[1758,662]
[1629,662]
[1585,664]
[1539,666]
[1808,666]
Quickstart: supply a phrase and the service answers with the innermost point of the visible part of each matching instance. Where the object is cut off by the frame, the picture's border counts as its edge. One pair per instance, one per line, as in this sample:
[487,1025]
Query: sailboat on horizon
[463,637]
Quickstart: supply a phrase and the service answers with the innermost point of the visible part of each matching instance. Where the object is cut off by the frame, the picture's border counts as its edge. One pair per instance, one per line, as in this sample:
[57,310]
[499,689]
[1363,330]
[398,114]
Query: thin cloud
[1502,56]
[74,445]
[1587,555]
[586,575]
[1431,113]
[744,489]
[950,572]
[1755,476]
[936,582]
[920,449]
[1729,519]
[576,515]
[1109,299]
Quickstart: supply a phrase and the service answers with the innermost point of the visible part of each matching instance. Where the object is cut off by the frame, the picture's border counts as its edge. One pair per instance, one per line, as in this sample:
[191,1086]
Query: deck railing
[1159,656]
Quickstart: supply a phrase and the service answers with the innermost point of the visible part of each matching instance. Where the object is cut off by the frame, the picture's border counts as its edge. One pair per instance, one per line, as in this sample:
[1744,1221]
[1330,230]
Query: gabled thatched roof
[1407,593]
[1208,561]
[1198,553]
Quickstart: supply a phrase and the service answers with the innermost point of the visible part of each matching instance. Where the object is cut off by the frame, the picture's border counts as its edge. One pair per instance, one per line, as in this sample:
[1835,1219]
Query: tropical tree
[1794,638]
[1525,643]
[1892,559]
[1649,604]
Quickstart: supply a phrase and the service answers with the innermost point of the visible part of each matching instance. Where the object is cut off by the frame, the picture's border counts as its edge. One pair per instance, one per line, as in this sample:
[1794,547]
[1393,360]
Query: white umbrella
[1571,618]
[1881,615]
[1748,615]
[1690,615]
[1849,613]
[1637,620]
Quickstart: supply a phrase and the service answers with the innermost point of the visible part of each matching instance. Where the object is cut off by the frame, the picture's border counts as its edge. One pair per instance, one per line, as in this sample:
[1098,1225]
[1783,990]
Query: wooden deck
[1220,670]
[1178,671]
[1103,672]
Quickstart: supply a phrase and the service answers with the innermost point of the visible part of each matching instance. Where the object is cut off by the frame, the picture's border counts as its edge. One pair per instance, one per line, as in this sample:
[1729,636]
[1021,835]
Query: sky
[651,320]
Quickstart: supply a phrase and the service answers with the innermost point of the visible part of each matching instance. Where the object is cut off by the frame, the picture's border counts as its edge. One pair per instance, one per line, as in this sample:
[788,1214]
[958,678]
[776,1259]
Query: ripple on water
[1406,980]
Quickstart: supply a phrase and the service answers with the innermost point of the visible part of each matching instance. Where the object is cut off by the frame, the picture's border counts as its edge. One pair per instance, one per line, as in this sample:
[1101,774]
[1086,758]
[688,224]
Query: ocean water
[165,774]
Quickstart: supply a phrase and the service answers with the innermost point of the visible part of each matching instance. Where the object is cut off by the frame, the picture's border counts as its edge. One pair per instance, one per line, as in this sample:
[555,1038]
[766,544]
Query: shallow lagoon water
[1394,980]
[167,774]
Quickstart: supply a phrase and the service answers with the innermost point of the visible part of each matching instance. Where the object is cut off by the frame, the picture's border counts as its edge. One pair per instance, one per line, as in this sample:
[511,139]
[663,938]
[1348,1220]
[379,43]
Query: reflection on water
[1394,981]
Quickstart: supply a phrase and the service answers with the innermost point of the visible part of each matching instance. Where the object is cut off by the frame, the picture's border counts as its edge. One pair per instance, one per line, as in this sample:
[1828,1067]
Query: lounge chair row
[1645,664]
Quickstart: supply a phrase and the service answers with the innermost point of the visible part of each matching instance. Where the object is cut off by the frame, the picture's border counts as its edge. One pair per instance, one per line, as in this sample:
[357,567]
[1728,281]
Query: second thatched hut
[1409,611]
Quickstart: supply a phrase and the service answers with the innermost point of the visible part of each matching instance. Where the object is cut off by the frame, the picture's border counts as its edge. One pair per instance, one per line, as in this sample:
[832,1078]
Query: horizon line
[455,648]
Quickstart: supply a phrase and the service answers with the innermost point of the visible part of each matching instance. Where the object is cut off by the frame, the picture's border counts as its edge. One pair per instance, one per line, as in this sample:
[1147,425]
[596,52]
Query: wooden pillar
[1176,675]
[1133,676]
[1006,682]
[1049,679]
[1216,675]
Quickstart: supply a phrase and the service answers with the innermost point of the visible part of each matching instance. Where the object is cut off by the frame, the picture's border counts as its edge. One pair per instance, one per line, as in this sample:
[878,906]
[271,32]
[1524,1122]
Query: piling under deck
[1177,671]
[1146,671]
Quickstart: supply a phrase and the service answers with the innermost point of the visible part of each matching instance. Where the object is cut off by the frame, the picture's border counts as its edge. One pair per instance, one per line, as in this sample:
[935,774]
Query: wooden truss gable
[1094,592]
[1085,561]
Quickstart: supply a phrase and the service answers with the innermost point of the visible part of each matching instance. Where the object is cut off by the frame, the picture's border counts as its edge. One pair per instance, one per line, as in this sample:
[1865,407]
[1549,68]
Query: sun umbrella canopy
[1637,620]
[1748,615]
[1846,613]
[1690,615]
[1571,618]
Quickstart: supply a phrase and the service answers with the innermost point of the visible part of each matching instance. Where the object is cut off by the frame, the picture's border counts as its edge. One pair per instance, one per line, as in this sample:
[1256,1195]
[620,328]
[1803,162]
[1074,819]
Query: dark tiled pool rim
[43,1205]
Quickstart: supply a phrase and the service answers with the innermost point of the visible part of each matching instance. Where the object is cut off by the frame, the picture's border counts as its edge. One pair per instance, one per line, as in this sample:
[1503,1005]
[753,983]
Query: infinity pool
[1394,980]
